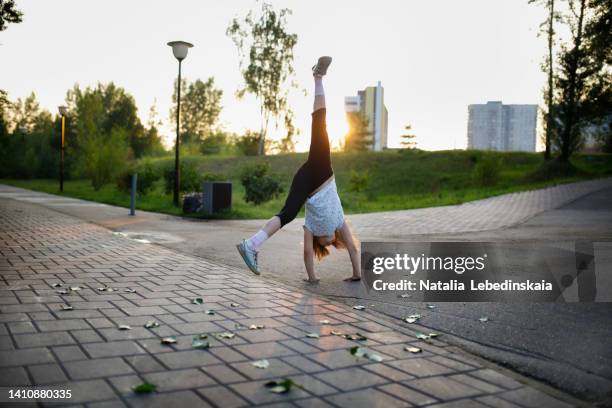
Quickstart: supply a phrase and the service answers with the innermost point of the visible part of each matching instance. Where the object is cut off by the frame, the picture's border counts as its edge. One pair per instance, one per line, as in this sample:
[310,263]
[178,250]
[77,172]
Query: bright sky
[433,57]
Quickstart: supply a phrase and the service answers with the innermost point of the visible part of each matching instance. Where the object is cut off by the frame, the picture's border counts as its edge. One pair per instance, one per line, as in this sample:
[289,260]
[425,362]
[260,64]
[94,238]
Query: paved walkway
[84,350]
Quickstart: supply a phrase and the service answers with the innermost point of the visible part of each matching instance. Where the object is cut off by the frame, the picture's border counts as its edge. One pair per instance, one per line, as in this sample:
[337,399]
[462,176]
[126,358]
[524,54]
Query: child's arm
[353,250]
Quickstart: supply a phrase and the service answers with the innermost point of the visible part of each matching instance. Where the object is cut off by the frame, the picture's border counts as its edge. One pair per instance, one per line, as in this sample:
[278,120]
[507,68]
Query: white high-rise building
[371,103]
[495,126]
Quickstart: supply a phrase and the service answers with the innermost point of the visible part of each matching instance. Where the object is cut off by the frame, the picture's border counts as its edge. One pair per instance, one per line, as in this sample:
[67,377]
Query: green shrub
[147,176]
[258,185]
[359,181]
[486,171]
[103,158]
[213,144]
[190,178]
[248,144]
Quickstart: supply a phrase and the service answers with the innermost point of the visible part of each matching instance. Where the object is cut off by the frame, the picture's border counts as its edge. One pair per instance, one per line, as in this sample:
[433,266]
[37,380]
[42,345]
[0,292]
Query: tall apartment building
[371,103]
[495,126]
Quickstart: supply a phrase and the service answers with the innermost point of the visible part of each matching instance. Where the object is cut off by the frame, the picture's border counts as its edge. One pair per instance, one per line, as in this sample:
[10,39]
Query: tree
[266,50]
[23,114]
[9,14]
[200,108]
[582,84]
[547,27]
[408,138]
[287,144]
[359,136]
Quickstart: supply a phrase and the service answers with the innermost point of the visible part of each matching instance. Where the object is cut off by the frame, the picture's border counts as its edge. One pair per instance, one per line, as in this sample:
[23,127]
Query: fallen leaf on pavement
[360,352]
[359,307]
[256,326]
[261,364]
[225,335]
[144,388]
[210,312]
[484,319]
[312,335]
[197,301]
[234,304]
[130,291]
[412,349]
[431,306]
[356,336]
[67,307]
[282,386]
[125,327]
[324,321]
[199,343]
[168,340]
[57,285]
[412,318]
[151,324]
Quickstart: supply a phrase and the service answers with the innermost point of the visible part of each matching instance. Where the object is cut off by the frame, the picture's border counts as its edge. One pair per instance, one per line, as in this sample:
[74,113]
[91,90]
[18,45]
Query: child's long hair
[322,251]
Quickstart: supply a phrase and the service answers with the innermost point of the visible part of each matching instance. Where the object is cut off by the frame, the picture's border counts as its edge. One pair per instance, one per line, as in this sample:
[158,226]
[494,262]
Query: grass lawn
[397,180]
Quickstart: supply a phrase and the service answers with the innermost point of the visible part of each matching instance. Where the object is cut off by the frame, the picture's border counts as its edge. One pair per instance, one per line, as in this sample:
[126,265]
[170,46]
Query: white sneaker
[322,64]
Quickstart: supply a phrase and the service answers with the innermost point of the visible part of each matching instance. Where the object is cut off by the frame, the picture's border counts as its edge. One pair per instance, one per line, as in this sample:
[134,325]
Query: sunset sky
[433,57]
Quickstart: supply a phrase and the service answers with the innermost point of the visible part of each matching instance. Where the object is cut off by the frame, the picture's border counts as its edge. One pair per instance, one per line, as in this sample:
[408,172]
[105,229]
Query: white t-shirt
[324,213]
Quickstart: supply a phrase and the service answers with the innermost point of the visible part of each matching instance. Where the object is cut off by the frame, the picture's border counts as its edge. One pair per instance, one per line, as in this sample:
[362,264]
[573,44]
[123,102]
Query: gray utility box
[217,196]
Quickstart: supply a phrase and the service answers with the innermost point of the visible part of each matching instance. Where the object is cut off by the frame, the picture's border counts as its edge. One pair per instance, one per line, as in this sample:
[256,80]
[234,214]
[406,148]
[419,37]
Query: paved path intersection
[83,349]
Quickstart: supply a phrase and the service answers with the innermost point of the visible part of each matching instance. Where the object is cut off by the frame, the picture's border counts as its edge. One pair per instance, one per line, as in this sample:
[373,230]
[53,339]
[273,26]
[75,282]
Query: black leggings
[311,174]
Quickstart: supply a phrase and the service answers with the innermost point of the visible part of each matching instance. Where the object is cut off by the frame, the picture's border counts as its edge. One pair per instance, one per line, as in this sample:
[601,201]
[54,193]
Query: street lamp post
[179,49]
[62,110]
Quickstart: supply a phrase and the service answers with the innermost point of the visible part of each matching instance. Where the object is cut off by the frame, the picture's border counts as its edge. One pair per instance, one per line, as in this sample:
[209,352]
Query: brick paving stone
[21,327]
[179,379]
[69,353]
[102,367]
[303,364]
[532,398]
[420,367]
[388,372]
[227,354]
[124,384]
[277,368]
[144,363]
[25,357]
[365,399]
[495,402]
[116,403]
[113,349]
[443,387]
[43,339]
[169,399]
[90,391]
[336,359]
[86,336]
[312,403]
[224,374]
[222,397]
[351,378]
[47,374]
[408,394]
[13,376]
[186,359]
[264,350]
[459,404]
[62,325]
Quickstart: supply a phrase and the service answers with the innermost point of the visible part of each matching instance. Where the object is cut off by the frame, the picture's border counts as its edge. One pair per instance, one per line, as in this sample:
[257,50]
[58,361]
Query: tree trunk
[571,119]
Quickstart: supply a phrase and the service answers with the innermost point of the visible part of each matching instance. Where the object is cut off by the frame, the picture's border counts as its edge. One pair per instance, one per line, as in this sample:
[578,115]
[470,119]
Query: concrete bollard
[133,194]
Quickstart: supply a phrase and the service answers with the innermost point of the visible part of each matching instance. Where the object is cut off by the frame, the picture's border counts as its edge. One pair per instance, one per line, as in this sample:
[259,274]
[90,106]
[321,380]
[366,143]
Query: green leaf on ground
[256,327]
[360,352]
[430,306]
[313,335]
[125,327]
[128,290]
[197,301]
[67,307]
[225,335]
[282,386]
[412,318]
[413,350]
[75,288]
[151,324]
[198,343]
[168,340]
[144,388]
[336,333]
[359,307]
[210,312]
[234,304]
[422,336]
[62,292]
[356,337]
[261,364]
[484,319]
[56,285]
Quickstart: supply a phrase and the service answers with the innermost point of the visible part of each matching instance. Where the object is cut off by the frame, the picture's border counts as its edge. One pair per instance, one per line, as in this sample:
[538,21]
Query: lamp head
[180,48]
[63,110]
